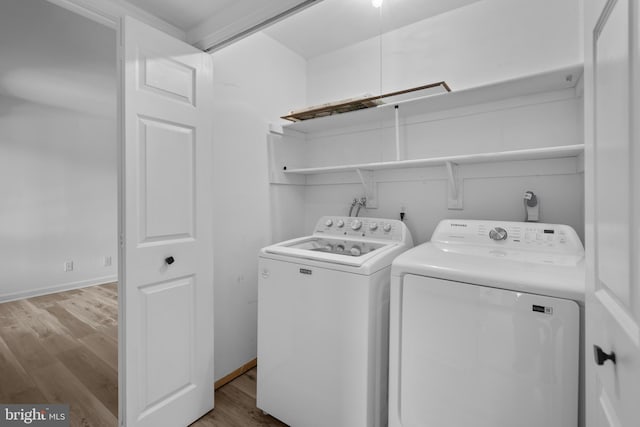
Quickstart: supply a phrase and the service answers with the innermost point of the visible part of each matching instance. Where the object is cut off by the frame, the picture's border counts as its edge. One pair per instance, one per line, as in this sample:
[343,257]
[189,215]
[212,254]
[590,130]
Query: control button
[356,224]
[329,223]
[328,248]
[340,223]
[340,248]
[498,233]
[387,227]
[373,226]
[355,251]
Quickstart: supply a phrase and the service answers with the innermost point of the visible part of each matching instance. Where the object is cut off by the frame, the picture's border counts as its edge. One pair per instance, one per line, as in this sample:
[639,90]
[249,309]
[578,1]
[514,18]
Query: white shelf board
[563,78]
[502,156]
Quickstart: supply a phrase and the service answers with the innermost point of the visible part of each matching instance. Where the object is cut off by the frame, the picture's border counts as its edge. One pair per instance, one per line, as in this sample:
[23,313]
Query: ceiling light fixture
[376,3]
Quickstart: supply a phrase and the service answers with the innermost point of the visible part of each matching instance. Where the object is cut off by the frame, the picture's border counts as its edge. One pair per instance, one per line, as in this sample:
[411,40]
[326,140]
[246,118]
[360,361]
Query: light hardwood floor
[63,348]
[236,406]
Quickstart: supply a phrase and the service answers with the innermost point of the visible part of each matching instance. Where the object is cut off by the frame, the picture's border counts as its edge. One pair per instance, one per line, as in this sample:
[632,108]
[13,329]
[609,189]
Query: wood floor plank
[236,406]
[30,395]
[26,347]
[110,331]
[7,317]
[109,292]
[93,312]
[77,328]
[104,347]
[247,383]
[41,322]
[107,298]
[59,385]
[43,301]
[12,312]
[13,377]
[95,374]
[56,344]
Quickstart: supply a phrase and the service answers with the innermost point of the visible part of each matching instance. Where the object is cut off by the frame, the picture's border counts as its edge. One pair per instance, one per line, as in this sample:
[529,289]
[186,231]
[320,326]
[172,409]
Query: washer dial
[498,233]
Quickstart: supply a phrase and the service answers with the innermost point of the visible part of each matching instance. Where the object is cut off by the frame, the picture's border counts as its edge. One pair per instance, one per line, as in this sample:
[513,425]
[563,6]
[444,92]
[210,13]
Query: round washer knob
[355,251]
[387,227]
[329,223]
[498,233]
[340,223]
[340,248]
[355,225]
[373,226]
[328,248]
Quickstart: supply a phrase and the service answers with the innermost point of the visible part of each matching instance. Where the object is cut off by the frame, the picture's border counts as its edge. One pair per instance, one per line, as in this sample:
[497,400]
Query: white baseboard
[58,288]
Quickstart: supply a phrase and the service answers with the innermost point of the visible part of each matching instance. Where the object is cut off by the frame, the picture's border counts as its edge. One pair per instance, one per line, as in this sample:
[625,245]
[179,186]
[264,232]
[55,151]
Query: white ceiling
[325,26]
[333,24]
[185,14]
[208,23]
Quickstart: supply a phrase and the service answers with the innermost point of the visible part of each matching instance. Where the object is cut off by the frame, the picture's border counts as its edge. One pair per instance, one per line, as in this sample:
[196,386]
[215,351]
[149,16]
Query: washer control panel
[373,228]
[555,238]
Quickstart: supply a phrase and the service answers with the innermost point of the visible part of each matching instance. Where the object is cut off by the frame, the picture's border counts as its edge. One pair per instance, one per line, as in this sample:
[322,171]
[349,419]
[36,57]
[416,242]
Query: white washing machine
[485,327]
[323,312]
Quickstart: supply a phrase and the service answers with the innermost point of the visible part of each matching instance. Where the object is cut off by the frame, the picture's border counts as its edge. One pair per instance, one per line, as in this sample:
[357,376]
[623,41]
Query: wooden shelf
[563,78]
[502,156]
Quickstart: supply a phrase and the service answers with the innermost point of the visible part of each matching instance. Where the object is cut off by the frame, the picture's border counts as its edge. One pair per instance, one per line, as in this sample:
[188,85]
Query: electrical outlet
[68,266]
[107,261]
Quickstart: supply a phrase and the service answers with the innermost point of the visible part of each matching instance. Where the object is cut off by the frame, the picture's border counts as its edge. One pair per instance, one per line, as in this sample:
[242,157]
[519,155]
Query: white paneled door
[612,108]
[167,303]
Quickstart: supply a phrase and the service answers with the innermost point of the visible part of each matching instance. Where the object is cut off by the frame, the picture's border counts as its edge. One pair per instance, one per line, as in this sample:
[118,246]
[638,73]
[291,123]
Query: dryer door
[484,357]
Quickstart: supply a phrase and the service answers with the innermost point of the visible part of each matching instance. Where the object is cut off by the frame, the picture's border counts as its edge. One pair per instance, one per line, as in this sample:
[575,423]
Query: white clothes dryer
[485,327]
[323,312]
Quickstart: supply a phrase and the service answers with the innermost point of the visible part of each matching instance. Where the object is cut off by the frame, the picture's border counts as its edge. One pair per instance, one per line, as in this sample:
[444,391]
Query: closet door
[166,363]
[612,105]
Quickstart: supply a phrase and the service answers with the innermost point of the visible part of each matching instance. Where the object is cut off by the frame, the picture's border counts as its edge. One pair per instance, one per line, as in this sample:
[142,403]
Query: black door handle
[169,260]
[601,357]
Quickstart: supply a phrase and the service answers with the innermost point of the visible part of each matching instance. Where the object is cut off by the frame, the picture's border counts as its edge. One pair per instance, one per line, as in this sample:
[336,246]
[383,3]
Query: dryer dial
[356,224]
[340,223]
[498,233]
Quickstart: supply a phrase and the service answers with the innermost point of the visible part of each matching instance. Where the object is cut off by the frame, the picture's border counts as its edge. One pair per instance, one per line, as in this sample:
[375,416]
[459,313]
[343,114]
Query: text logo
[34,415]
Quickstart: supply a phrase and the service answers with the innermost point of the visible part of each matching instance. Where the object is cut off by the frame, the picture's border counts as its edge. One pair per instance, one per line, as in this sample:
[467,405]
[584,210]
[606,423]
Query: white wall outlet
[68,266]
[107,261]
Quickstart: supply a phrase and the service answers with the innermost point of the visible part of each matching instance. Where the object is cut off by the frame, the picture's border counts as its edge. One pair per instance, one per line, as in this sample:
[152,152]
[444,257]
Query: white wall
[256,80]
[491,190]
[57,150]
[487,41]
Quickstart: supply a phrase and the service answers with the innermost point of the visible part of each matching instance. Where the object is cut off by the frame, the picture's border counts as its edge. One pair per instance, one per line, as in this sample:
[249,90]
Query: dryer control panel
[354,227]
[549,238]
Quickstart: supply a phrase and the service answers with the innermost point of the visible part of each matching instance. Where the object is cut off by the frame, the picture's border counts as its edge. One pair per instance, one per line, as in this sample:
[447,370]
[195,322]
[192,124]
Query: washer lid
[349,252]
[545,259]
[557,280]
